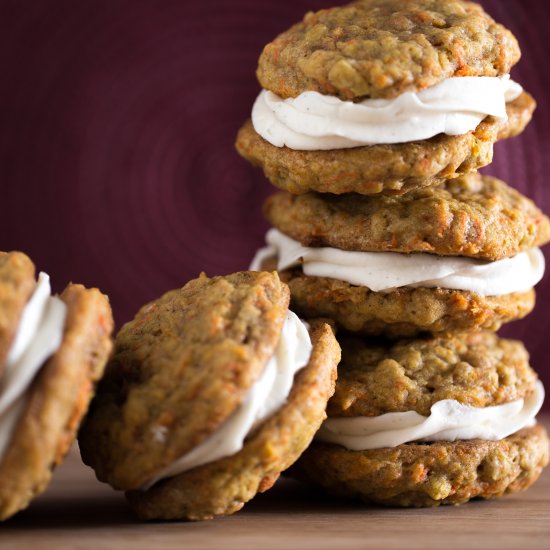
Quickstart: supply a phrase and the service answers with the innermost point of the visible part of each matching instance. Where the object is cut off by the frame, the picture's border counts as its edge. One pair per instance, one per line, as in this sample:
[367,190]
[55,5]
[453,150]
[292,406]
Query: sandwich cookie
[384,96]
[460,256]
[52,351]
[213,390]
[430,421]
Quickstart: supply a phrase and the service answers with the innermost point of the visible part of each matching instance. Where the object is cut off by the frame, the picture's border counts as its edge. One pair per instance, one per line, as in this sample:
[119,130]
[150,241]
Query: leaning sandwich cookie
[384,96]
[430,421]
[213,390]
[460,256]
[52,350]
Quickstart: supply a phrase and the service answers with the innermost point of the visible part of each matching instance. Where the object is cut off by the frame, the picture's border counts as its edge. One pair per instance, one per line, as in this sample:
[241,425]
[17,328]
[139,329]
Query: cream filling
[385,271]
[313,121]
[38,336]
[449,420]
[265,397]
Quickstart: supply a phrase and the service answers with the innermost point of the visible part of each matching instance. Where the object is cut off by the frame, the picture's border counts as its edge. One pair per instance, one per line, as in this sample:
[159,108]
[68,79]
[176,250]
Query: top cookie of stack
[384,96]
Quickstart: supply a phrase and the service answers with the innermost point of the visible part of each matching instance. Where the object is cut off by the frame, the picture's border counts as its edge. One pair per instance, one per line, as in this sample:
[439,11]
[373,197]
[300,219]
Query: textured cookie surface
[224,486]
[382,48]
[57,400]
[180,368]
[388,169]
[404,311]
[476,216]
[478,369]
[17,282]
[428,474]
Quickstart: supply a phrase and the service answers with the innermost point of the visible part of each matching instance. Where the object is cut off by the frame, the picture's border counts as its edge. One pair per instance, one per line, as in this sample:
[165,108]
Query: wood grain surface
[77,512]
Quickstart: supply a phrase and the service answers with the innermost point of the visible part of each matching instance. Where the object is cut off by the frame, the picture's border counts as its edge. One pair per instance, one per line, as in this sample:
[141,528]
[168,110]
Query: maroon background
[117,122]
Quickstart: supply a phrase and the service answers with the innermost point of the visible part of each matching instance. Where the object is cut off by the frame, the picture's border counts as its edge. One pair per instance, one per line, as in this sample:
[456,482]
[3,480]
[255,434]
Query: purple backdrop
[118,118]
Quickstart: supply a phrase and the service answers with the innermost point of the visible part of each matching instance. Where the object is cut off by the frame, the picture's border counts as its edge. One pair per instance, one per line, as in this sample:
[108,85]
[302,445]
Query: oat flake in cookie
[54,350]
[213,390]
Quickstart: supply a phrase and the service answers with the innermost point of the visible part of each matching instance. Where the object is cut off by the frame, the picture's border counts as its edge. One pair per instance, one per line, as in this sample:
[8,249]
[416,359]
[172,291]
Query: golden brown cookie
[57,399]
[386,169]
[428,474]
[475,215]
[377,378]
[17,283]
[382,48]
[182,367]
[224,486]
[478,369]
[183,364]
[402,312]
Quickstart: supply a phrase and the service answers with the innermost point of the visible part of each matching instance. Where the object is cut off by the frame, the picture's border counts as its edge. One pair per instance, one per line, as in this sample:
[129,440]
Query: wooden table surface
[78,512]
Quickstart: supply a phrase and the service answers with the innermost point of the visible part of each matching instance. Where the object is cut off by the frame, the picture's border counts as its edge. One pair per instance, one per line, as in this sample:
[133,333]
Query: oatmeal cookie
[402,312]
[224,486]
[475,215]
[386,169]
[181,366]
[57,399]
[383,48]
[478,369]
[428,474]
[17,283]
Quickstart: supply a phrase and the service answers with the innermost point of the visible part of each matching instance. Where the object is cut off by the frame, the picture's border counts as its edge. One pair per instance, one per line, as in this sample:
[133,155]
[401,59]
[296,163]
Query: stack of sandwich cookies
[52,351]
[213,390]
[373,120]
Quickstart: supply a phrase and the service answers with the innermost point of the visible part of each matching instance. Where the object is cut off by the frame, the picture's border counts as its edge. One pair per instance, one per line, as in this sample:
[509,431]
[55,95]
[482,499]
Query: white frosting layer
[265,397]
[384,271]
[38,336]
[449,420]
[313,121]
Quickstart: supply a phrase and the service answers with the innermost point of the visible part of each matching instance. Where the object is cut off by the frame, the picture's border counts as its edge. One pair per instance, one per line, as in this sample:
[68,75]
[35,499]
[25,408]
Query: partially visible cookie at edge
[41,415]
[17,282]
